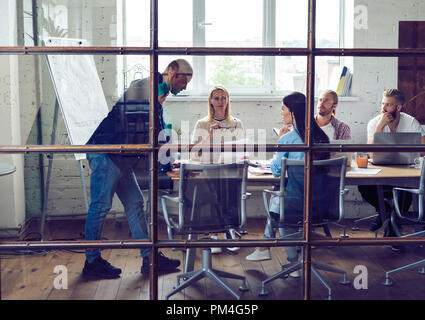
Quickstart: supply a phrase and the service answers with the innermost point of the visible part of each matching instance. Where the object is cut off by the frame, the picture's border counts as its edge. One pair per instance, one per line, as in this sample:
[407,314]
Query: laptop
[398,138]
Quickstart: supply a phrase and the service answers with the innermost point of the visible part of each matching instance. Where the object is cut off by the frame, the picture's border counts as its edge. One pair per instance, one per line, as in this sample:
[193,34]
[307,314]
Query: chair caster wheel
[355,228]
[243,288]
[263,292]
[387,282]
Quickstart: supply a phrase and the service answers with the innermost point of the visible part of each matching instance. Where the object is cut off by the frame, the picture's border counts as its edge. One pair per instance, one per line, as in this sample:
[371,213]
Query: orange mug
[362,160]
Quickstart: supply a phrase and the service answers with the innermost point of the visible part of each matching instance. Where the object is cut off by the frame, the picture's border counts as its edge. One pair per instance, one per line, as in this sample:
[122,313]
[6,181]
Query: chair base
[208,272]
[356,228]
[287,269]
[418,264]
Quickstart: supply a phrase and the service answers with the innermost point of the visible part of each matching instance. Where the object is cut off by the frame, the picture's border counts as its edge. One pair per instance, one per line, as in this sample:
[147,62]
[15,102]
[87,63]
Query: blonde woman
[218,127]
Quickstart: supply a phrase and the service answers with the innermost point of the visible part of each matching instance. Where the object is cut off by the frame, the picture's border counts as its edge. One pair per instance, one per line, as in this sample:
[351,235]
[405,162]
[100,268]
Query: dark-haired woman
[293,116]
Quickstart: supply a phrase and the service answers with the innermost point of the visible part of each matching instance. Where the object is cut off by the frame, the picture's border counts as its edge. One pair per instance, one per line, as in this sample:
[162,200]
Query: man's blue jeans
[106,179]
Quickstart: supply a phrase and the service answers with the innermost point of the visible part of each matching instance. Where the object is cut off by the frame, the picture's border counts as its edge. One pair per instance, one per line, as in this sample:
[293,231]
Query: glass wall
[69,64]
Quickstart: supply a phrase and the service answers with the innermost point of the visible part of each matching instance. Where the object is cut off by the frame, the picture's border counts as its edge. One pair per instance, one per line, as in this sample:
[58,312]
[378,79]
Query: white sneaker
[258,255]
[233,236]
[295,274]
[215,250]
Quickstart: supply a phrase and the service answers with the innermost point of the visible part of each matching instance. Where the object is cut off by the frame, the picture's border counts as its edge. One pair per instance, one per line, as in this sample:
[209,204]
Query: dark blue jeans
[106,179]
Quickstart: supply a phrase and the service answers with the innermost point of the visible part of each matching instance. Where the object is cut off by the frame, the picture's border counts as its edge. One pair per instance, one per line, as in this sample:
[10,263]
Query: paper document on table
[259,170]
[363,171]
[263,163]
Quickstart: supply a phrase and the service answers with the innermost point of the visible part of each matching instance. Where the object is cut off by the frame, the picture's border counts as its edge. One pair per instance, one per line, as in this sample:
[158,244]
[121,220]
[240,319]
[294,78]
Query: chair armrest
[173,199]
[414,191]
[247,195]
[266,200]
[169,221]
[397,207]
[276,193]
[344,192]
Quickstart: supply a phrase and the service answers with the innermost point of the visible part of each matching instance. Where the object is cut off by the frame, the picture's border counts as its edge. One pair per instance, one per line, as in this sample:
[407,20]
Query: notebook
[398,138]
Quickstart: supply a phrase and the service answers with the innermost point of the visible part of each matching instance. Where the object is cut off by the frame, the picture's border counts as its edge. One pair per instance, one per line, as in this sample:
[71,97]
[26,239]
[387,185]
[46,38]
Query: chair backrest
[212,197]
[327,191]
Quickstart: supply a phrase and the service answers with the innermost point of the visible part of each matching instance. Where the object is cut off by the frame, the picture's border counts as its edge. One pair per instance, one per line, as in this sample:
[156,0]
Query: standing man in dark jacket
[127,123]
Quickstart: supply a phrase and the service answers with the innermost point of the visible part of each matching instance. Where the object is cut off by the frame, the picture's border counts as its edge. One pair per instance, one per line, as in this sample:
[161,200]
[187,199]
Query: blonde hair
[210,106]
[396,94]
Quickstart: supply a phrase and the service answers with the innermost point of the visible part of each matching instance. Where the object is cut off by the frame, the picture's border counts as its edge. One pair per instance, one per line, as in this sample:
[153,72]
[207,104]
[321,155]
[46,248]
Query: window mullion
[269,40]
[198,30]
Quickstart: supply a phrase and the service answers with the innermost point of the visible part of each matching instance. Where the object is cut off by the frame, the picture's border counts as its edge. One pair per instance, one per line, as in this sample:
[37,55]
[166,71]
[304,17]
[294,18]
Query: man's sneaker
[100,268]
[295,274]
[232,234]
[217,249]
[164,263]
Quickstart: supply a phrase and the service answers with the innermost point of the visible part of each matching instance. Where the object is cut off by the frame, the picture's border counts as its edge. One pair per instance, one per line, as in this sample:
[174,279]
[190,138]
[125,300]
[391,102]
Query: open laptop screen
[395,138]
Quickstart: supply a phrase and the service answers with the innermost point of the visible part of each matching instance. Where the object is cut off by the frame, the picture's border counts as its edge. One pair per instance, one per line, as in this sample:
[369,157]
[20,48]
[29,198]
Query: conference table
[394,175]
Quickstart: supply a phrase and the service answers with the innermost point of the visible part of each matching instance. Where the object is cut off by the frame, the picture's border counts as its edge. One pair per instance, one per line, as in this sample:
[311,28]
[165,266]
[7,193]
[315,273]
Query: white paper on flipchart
[78,90]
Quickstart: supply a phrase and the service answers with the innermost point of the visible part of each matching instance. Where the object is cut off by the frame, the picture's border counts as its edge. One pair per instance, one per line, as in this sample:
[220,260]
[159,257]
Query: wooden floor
[32,276]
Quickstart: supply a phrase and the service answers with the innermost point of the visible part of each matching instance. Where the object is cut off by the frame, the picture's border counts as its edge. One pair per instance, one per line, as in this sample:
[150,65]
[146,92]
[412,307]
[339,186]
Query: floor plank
[32,276]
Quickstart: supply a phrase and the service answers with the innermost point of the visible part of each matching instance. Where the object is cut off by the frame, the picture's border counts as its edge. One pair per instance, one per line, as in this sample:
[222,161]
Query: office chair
[142,172]
[327,202]
[212,198]
[413,218]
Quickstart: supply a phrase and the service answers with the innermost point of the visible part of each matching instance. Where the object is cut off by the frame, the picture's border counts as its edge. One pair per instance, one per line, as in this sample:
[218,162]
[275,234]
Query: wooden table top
[387,174]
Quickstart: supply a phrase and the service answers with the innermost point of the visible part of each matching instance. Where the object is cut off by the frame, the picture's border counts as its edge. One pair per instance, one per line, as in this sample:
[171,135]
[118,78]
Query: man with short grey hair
[127,123]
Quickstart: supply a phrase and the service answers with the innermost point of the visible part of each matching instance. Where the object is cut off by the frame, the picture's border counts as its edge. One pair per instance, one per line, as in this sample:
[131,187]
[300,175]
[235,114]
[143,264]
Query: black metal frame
[154,52]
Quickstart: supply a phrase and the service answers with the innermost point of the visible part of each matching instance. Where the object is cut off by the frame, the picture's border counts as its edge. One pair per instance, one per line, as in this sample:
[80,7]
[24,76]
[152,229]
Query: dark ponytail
[296,103]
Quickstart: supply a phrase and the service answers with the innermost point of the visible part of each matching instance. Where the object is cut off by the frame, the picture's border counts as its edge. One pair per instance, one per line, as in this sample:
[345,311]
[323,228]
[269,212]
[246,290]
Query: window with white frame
[238,23]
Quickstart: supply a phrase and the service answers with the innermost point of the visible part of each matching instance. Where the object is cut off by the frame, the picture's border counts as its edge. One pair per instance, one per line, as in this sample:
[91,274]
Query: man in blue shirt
[127,123]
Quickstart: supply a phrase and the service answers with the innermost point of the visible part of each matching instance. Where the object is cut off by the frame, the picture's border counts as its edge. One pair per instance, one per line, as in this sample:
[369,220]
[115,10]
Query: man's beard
[393,114]
[175,90]
[324,113]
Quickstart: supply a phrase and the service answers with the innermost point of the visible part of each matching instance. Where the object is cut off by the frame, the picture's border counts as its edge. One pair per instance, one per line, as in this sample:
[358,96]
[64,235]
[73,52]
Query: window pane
[327,23]
[374,24]
[175,23]
[137,22]
[291,23]
[234,71]
[291,74]
[224,27]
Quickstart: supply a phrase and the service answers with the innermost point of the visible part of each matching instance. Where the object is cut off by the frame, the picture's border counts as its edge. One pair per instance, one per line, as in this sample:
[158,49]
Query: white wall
[12,212]
[371,77]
